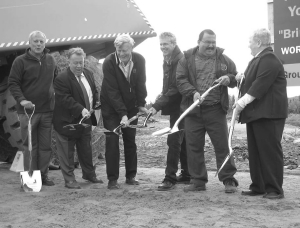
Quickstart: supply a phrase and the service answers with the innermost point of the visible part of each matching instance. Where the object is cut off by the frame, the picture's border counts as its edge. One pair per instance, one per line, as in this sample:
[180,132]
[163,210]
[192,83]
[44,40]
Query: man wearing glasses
[199,69]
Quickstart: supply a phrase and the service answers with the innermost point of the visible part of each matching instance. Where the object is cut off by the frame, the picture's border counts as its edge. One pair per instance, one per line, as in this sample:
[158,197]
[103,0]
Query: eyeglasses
[209,42]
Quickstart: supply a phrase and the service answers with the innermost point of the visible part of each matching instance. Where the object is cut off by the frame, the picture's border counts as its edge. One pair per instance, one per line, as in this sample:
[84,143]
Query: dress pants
[65,151]
[265,155]
[112,152]
[176,151]
[210,119]
[41,125]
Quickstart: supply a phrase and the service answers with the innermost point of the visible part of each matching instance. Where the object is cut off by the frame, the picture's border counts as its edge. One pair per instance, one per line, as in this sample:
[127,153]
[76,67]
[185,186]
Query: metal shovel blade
[162,132]
[31,183]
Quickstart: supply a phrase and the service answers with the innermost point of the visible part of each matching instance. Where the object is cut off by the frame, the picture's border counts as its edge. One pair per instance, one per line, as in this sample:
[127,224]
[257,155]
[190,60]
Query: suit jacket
[118,96]
[69,100]
[265,80]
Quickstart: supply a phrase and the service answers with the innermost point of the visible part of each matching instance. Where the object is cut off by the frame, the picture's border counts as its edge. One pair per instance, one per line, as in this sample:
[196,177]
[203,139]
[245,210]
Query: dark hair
[208,31]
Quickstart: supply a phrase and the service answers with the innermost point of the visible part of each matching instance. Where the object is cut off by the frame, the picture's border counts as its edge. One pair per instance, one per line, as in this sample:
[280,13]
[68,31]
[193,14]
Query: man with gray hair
[123,95]
[31,84]
[264,108]
[76,97]
[169,103]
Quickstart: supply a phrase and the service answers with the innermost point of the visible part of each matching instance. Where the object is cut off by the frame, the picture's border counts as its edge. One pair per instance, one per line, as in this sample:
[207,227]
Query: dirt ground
[143,206]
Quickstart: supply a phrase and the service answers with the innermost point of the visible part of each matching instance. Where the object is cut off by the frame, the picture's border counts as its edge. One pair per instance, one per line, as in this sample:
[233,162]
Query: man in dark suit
[123,94]
[264,108]
[75,97]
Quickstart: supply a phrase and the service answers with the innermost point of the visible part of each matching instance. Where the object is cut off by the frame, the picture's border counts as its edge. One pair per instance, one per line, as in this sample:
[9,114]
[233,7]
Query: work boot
[132,181]
[194,188]
[72,184]
[113,184]
[166,186]
[230,186]
[183,179]
[47,182]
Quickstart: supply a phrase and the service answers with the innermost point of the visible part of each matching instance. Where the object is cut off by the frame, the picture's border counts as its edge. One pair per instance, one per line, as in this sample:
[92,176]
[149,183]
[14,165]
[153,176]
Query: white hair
[124,38]
[35,33]
[169,35]
[263,35]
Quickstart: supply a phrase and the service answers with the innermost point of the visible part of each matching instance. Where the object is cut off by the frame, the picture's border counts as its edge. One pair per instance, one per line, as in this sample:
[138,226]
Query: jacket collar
[28,55]
[175,55]
[267,50]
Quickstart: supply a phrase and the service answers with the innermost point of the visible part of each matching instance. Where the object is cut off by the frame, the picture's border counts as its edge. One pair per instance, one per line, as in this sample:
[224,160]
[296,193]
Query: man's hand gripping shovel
[117,130]
[167,131]
[231,128]
[31,180]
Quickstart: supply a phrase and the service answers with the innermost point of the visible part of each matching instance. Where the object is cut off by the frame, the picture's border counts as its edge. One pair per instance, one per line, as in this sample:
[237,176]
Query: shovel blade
[162,132]
[31,183]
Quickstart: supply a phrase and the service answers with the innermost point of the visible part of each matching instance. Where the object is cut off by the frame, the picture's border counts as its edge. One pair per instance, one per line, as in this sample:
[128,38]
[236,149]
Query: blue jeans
[210,119]
[176,151]
[41,141]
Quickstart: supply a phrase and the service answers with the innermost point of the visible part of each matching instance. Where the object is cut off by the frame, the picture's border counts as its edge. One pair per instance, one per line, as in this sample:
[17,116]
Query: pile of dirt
[152,151]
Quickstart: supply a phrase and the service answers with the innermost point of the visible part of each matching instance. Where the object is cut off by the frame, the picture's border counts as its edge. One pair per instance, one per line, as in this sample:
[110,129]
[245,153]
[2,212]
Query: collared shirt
[205,76]
[87,87]
[126,69]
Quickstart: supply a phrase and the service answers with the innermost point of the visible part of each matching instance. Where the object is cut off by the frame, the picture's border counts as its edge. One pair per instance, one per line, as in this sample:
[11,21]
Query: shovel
[167,130]
[76,130]
[117,130]
[144,125]
[31,180]
[231,128]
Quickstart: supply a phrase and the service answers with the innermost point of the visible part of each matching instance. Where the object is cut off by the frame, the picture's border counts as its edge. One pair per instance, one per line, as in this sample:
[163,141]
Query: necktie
[85,95]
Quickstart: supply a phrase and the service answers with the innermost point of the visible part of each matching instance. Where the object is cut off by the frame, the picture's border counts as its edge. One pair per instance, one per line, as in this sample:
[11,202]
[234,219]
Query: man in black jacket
[264,107]
[75,97]
[199,69]
[123,95]
[31,84]
[169,103]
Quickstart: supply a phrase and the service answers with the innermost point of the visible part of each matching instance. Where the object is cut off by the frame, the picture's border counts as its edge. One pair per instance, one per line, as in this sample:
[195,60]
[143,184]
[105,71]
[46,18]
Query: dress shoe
[72,185]
[183,179]
[132,181]
[47,182]
[230,186]
[252,193]
[194,188]
[94,180]
[113,185]
[166,186]
[273,195]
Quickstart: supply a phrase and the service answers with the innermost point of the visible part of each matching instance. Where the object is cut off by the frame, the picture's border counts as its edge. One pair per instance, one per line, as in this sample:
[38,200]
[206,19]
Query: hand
[85,112]
[125,121]
[143,110]
[223,80]
[197,96]
[239,76]
[27,104]
[152,110]
[97,105]
[237,108]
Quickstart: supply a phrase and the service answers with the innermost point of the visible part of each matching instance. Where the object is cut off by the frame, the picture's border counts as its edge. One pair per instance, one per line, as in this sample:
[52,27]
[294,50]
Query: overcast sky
[231,20]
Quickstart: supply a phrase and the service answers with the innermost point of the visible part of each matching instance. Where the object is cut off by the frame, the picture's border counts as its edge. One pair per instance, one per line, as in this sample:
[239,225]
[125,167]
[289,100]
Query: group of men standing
[186,76]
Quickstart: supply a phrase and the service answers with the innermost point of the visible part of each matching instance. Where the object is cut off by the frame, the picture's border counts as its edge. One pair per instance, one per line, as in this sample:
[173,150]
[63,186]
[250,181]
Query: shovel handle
[193,106]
